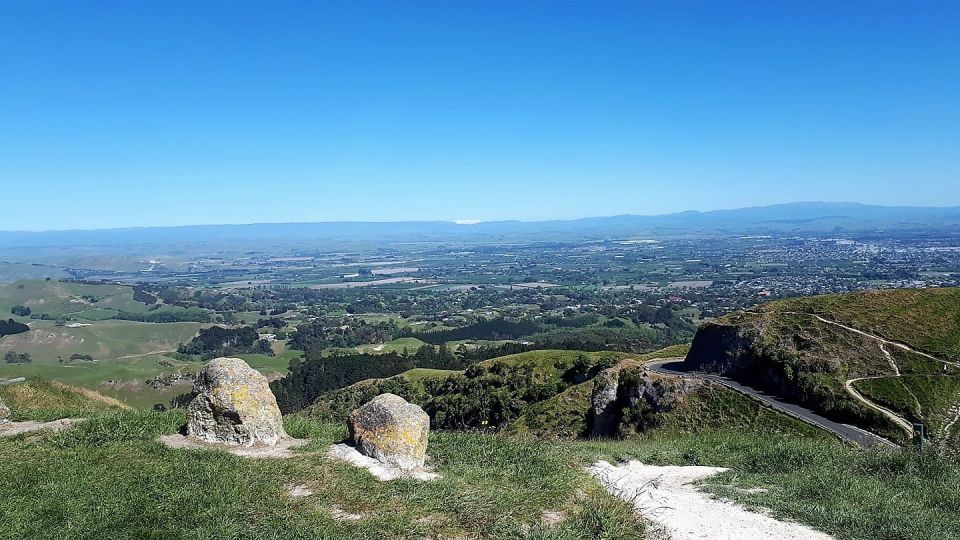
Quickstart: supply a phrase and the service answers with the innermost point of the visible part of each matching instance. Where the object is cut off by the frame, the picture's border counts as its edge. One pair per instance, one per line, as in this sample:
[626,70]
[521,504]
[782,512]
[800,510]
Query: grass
[57,299]
[566,415]
[104,340]
[891,393]
[107,478]
[419,374]
[42,400]
[126,355]
[928,399]
[398,345]
[925,319]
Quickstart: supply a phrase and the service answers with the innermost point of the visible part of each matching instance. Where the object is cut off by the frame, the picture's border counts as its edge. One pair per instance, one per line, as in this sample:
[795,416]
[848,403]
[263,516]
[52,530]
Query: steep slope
[881,360]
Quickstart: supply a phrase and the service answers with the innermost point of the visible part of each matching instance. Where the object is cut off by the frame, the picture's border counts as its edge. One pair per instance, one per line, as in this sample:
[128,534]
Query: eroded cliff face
[726,349]
[621,395]
[740,348]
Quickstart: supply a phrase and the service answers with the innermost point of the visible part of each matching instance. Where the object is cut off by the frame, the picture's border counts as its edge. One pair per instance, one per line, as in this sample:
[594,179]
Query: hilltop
[881,360]
[108,477]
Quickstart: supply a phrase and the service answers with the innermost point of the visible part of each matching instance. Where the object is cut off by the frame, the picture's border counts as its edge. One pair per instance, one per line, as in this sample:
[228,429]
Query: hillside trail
[896,418]
[944,432]
[885,341]
[899,420]
[144,354]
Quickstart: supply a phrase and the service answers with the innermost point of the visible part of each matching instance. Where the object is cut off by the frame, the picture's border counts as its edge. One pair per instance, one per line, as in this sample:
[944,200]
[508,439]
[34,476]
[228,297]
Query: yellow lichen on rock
[391,430]
[234,405]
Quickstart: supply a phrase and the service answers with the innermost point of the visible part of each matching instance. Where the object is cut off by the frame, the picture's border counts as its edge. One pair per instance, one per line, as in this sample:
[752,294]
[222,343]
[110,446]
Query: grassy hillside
[107,478]
[566,415]
[126,354]
[77,300]
[925,319]
[897,348]
[39,399]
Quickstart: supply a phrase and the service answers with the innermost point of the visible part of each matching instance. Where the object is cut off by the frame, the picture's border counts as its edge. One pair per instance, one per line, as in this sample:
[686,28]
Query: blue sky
[164,113]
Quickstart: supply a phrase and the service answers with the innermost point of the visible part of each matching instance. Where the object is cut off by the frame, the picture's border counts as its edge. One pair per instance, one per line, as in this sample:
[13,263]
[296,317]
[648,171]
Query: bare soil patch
[281,450]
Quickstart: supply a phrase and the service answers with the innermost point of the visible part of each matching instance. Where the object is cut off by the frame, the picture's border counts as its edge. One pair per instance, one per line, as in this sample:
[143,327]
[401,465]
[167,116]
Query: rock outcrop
[635,390]
[4,413]
[391,430]
[734,350]
[604,413]
[658,393]
[234,405]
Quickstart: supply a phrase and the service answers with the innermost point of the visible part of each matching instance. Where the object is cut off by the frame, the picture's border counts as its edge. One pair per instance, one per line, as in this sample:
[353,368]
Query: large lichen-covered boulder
[391,430]
[4,413]
[234,405]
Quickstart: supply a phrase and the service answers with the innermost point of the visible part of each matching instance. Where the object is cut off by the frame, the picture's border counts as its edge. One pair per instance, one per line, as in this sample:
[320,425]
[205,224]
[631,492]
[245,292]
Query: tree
[11,357]
[21,311]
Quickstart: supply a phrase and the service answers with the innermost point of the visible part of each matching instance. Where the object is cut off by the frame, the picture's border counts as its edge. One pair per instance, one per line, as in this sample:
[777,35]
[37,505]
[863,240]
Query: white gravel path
[382,471]
[665,496]
[12,429]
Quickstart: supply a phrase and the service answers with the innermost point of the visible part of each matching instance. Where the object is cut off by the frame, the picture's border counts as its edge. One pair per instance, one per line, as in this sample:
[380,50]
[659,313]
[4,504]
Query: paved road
[674,366]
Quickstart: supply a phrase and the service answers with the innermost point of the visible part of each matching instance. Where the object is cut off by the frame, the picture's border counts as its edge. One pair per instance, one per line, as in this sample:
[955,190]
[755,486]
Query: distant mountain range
[806,217]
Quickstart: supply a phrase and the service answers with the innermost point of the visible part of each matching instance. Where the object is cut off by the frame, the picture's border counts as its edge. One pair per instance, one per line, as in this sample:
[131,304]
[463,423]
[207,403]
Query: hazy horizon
[469,222]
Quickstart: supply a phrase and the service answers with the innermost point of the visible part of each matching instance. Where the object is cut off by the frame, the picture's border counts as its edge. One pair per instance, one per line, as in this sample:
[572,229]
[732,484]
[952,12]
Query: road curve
[674,366]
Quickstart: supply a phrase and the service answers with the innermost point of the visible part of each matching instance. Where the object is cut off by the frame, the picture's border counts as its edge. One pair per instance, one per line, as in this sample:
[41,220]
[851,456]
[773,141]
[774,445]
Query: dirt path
[144,354]
[889,357]
[944,432]
[899,420]
[667,497]
[13,429]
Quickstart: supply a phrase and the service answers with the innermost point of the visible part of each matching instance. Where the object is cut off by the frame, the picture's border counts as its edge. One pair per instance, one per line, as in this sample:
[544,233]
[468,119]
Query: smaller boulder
[4,413]
[391,430]
[234,405]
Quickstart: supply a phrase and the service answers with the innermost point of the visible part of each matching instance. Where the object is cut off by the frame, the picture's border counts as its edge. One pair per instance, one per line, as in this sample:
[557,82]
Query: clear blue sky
[167,112]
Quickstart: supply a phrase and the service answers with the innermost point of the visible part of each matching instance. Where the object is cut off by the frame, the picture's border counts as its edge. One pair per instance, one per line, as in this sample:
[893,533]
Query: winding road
[674,366]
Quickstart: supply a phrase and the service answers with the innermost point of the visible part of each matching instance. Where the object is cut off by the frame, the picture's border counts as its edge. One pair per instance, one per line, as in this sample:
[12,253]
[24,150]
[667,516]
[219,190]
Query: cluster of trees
[323,333]
[273,322]
[187,315]
[492,329]
[13,357]
[140,294]
[218,341]
[21,311]
[316,374]
[10,327]
[603,338]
